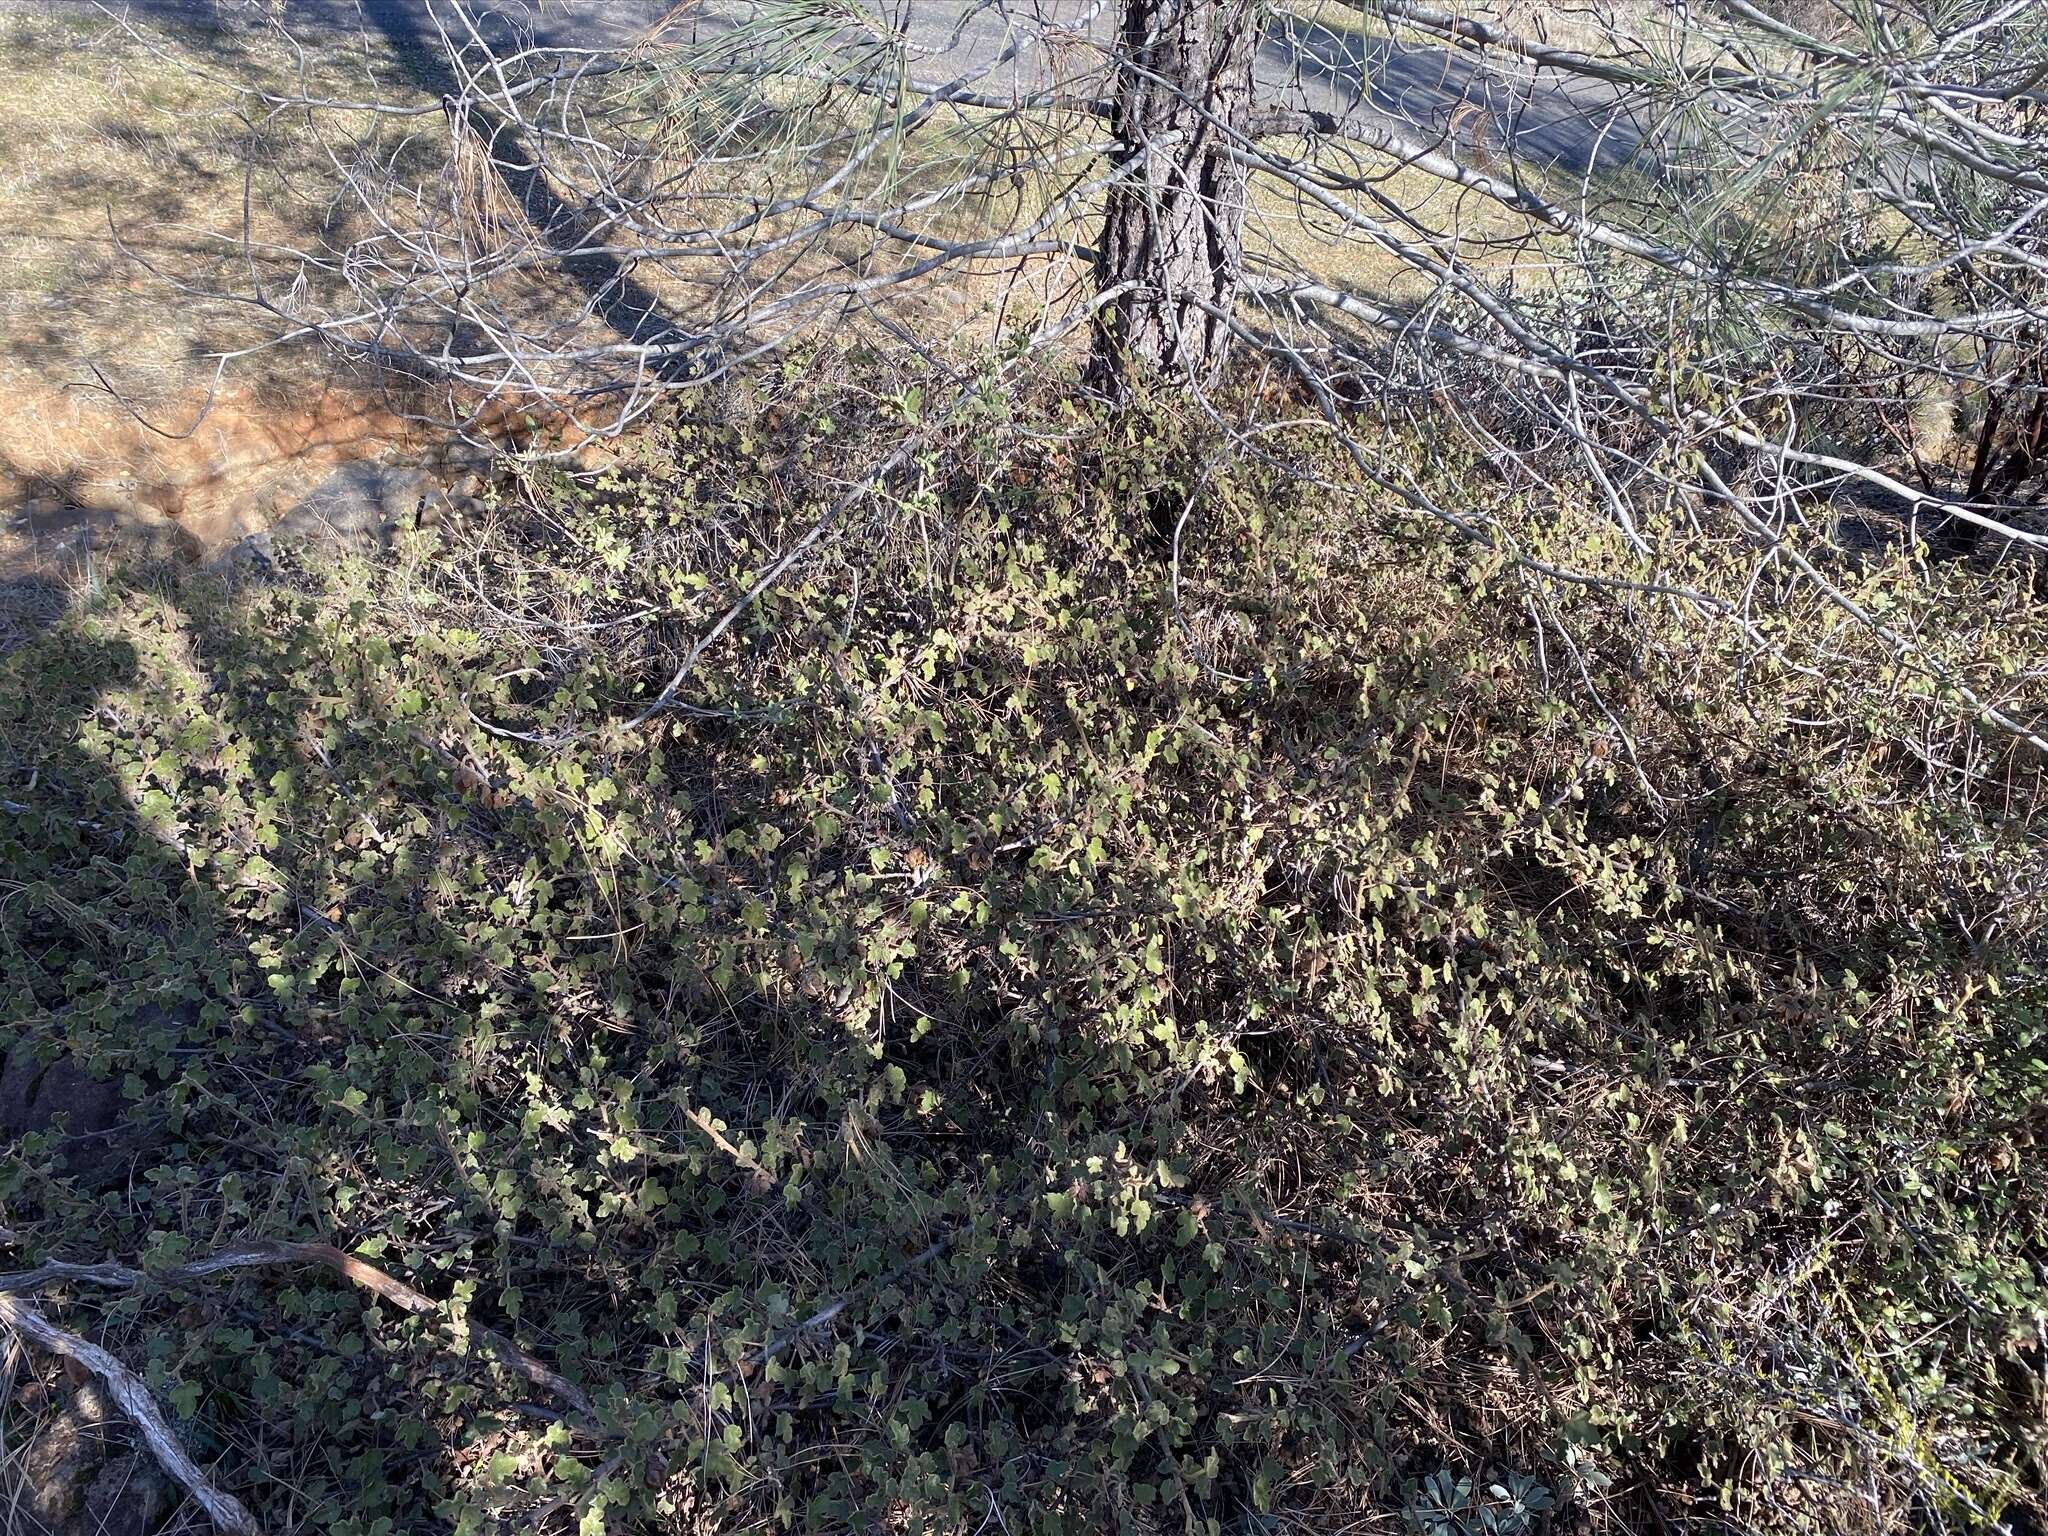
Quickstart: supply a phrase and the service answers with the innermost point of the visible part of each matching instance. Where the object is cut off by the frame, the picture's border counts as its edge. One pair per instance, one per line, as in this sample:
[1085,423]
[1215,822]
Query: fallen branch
[133,1396]
[122,1277]
[759,1180]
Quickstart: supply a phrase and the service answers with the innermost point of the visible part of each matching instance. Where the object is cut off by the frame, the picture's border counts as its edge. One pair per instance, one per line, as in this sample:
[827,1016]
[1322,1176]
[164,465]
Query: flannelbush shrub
[1282,1043]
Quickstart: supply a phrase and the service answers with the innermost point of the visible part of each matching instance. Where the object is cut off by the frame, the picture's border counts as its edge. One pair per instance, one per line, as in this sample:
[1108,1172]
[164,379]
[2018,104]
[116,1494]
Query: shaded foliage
[1244,1051]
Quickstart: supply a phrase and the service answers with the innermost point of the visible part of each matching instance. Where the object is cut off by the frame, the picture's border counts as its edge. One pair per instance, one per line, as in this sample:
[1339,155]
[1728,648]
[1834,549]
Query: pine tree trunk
[1174,230]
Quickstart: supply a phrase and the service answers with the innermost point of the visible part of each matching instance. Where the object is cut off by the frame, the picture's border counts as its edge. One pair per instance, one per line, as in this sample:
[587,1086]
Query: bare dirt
[123,153]
[199,476]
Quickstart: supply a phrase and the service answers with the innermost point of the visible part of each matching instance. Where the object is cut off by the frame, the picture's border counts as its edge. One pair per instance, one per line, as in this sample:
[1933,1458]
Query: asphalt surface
[1542,118]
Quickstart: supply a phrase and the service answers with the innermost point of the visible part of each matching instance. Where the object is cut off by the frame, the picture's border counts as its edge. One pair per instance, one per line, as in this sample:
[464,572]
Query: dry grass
[151,131]
[1588,28]
[123,177]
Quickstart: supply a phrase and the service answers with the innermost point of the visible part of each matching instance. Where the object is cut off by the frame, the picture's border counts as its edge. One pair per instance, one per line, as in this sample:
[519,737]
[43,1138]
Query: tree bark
[1173,236]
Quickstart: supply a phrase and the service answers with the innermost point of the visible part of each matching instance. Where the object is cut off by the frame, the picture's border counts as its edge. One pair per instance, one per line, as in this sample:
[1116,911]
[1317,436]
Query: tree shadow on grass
[158,1099]
[265,921]
[573,233]
[361,988]
[110,955]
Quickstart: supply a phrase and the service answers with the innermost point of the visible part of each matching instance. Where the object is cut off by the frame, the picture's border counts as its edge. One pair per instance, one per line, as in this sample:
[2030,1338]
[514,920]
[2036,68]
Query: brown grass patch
[121,197]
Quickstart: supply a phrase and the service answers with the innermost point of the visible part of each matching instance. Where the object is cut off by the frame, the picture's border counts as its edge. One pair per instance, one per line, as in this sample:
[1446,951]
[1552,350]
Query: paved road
[1546,118]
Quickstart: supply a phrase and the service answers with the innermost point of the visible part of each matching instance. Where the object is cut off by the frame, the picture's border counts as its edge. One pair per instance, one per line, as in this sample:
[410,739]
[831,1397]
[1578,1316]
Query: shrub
[1039,1040]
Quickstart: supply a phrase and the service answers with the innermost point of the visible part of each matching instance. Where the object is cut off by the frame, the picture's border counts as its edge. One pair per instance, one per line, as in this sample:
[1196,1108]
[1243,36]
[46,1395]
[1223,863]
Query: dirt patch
[131,156]
[200,472]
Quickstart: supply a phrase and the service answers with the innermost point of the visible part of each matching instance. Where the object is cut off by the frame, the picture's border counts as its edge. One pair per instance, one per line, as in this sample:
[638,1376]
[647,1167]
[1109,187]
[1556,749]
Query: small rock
[400,497]
[58,1465]
[252,555]
[354,505]
[35,1096]
[130,1497]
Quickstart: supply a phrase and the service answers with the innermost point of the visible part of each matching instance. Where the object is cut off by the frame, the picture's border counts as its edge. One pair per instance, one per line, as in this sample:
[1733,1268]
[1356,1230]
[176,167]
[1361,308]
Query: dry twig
[133,1396]
[122,1277]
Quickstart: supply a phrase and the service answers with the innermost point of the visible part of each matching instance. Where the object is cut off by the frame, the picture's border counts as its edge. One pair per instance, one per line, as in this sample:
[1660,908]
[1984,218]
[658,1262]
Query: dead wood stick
[122,1277]
[133,1396]
[759,1180]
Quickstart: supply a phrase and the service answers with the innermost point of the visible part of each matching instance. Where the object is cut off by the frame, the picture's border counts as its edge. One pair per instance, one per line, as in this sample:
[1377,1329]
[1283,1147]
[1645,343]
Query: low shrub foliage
[1039,1039]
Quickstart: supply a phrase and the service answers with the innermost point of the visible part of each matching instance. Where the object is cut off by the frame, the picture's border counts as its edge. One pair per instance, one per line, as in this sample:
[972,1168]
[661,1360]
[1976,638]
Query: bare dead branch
[270,1255]
[132,1394]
